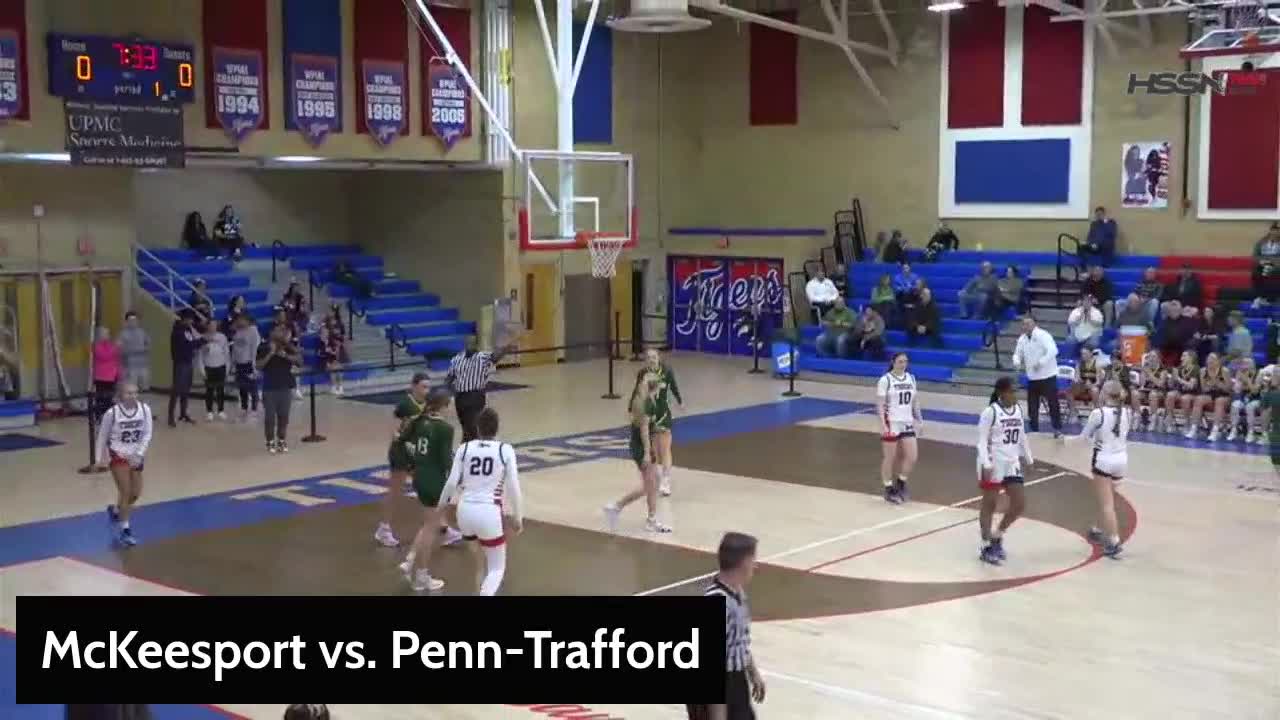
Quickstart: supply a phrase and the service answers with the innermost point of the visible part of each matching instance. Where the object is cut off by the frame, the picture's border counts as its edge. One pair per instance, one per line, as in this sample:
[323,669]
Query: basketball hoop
[605,247]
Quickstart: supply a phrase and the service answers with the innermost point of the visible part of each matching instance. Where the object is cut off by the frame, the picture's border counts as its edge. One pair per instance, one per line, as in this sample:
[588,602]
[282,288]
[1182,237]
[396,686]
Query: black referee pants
[737,692]
[468,404]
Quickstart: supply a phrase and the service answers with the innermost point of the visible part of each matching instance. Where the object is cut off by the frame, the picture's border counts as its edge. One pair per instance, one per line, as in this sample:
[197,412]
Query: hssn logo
[1194,83]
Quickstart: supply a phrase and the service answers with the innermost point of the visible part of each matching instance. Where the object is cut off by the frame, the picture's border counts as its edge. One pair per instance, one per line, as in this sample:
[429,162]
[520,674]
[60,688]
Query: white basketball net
[605,250]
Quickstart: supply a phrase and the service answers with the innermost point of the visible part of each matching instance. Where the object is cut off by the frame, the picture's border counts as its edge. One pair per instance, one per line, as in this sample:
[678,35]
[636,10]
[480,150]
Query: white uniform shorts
[1110,466]
[1003,472]
[898,430]
[481,521]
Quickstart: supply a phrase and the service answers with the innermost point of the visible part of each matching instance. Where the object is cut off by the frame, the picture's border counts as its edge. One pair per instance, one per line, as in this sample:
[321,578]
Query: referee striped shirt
[471,374]
[737,631]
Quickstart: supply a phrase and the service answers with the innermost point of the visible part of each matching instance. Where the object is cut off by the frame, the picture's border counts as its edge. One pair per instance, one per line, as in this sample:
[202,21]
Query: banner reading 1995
[315,96]
[385,110]
[11,74]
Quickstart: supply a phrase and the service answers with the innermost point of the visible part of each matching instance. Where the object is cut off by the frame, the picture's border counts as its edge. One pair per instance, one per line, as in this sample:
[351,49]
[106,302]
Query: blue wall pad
[1013,171]
[748,232]
[593,96]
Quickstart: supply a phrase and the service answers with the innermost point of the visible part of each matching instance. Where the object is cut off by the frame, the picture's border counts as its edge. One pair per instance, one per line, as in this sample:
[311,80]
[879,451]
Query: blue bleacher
[868,368]
[1001,258]
[328,262]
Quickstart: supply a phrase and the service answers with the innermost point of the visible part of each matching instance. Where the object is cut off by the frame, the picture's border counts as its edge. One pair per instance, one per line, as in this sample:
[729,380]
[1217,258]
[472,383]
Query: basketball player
[1108,429]
[429,440]
[899,405]
[1215,392]
[484,472]
[662,429]
[398,456]
[1151,390]
[1184,386]
[123,438]
[1002,448]
[1084,383]
[1246,402]
[644,411]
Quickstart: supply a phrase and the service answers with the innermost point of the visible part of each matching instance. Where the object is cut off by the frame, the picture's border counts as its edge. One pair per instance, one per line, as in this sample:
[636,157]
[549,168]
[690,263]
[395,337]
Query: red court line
[887,545]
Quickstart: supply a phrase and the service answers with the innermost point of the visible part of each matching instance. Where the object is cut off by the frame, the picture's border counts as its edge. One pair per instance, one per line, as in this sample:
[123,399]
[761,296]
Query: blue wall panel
[593,98]
[1013,171]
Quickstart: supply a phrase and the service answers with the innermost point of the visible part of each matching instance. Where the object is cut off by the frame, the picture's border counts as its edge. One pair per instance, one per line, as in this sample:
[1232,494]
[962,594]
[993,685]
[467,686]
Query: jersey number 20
[481,466]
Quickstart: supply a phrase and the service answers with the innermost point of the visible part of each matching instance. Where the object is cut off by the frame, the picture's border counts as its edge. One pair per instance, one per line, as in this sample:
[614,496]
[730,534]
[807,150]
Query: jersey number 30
[1011,436]
[481,466]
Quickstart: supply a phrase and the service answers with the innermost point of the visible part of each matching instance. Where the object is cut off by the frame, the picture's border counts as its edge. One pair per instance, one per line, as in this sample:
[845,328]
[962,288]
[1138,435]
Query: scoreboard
[115,69]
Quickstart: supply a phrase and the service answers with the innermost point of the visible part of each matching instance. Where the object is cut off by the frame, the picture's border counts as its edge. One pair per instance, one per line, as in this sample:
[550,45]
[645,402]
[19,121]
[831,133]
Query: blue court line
[12,442]
[749,232]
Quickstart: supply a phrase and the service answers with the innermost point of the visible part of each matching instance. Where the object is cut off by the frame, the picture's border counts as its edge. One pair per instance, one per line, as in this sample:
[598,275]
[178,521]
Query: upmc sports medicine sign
[123,135]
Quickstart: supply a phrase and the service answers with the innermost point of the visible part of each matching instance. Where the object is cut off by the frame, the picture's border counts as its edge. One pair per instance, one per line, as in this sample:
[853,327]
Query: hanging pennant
[447,98]
[385,110]
[238,83]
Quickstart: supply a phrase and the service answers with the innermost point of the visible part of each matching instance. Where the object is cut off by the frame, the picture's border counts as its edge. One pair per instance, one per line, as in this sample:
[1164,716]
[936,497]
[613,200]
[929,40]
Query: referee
[737,558]
[469,374]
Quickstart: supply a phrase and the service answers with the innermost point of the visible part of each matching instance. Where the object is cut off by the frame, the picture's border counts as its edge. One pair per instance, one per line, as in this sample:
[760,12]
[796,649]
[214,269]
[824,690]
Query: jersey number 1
[481,466]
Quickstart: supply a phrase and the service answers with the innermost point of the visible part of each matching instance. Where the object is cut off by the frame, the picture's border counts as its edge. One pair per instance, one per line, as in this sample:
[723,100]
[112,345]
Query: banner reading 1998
[385,111]
[315,96]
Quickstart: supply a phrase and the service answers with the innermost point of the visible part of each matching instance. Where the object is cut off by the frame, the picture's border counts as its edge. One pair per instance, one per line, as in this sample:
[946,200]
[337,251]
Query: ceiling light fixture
[945,5]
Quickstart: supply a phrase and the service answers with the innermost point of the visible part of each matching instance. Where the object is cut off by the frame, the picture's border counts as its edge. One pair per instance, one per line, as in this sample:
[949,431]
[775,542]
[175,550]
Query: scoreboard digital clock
[120,69]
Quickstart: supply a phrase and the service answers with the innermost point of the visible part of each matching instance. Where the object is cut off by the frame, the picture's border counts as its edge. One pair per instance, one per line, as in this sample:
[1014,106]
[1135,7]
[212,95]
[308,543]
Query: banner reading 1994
[237,90]
[385,110]
[315,91]
[11,75]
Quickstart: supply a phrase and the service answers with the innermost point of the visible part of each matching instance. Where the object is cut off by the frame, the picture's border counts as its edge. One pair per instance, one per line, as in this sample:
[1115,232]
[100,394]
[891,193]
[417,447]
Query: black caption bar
[371,649]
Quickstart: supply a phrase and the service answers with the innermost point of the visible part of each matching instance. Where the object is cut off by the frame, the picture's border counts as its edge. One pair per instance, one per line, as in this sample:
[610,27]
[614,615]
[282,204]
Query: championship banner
[1144,179]
[385,109]
[11,74]
[315,106]
[122,135]
[237,88]
[447,98]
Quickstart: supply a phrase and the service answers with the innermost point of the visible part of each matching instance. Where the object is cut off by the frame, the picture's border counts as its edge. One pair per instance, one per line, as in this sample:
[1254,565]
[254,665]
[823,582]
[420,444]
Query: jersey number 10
[904,397]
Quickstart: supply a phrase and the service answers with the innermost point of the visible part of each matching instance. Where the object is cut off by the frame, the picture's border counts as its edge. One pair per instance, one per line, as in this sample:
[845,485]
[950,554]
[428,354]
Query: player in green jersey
[645,413]
[409,407]
[429,439]
[1271,414]
[662,426]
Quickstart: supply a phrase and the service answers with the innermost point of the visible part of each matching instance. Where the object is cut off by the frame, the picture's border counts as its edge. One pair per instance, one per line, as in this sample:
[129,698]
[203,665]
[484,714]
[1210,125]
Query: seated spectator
[1266,267]
[1239,339]
[361,286]
[944,239]
[1147,295]
[199,300]
[925,321]
[839,331]
[1186,289]
[1097,284]
[8,375]
[1273,341]
[882,297]
[978,293]
[1209,329]
[1132,311]
[1173,332]
[821,292]
[1099,247]
[904,285]
[195,236]
[871,339]
[1084,326]
[227,232]
[841,280]
[1009,291]
[895,248]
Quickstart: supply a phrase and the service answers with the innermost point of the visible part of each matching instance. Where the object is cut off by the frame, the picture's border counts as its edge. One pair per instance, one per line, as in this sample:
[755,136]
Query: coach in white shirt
[1037,356]
[821,293]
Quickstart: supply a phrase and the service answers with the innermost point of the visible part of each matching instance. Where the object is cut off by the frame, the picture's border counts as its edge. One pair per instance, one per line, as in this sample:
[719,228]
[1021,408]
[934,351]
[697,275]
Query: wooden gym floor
[864,610]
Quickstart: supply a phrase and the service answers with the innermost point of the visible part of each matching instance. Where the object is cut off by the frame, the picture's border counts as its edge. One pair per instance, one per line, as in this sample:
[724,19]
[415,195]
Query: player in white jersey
[124,435]
[1108,430]
[484,474]
[1003,455]
[898,405]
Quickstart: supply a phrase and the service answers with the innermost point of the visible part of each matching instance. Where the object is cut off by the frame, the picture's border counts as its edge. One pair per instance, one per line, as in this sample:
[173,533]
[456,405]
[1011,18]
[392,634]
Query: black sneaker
[113,513]
[997,546]
[1095,536]
[989,555]
[900,486]
[1112,550]
[891,495]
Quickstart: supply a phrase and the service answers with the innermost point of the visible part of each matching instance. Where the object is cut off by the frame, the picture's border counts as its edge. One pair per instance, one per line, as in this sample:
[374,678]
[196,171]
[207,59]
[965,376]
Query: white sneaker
[406,567]
[653,526]
[1261,439]
[271,447]
[422,580]
[611,513]
[283,446]
[664,487]
[1233,435]
[208,417]
[222,415]
[1190,434]
[451,537]
[385,537]
[1214,434]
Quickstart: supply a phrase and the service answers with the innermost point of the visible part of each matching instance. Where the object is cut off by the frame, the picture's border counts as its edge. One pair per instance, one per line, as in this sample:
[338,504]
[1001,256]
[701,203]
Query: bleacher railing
[279,252]
[395,333]
[1068,247]
[169,284]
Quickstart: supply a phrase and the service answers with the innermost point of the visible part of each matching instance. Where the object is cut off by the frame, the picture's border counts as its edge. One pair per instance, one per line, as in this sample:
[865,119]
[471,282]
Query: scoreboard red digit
[120,69]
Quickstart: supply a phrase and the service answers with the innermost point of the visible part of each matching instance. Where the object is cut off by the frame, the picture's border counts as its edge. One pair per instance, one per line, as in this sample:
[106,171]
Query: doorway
[540,293]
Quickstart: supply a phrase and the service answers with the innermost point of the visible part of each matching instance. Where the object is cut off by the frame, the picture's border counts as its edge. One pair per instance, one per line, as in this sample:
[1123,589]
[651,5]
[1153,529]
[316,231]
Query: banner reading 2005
[316,102]
[448,97]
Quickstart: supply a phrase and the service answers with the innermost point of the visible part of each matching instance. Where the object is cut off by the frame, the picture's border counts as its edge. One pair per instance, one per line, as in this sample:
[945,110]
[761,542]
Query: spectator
[199,300]
[822,293]
[871,337]
[904,285]
[882,298]
[195,236]
[1273,341]
[244,351]
[1208,332]
[361,286]
[235,308]
[978,293]
[1186,289]
[227,232]
[1266,267]
[895,248]
[295,308]
[1097,284]
[1084,325]
[1147,295]
[1009,291]
[1099,247]
[276,360]
[1239,339]
[184,341]
[841,279]
[944,239]
[135,352]
[333,351]
[106,372]
[1172,334]
[1037,354]
[306,712]
[925,321]
[214,356]
[8,375]
[1132,311]
[839,331]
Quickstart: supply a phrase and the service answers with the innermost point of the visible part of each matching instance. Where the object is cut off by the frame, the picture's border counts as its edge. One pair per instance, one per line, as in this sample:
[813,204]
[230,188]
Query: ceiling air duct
[658,16]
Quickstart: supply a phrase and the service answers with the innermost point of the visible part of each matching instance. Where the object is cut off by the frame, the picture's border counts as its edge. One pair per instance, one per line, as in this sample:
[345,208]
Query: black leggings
[215,388]
[248,385]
